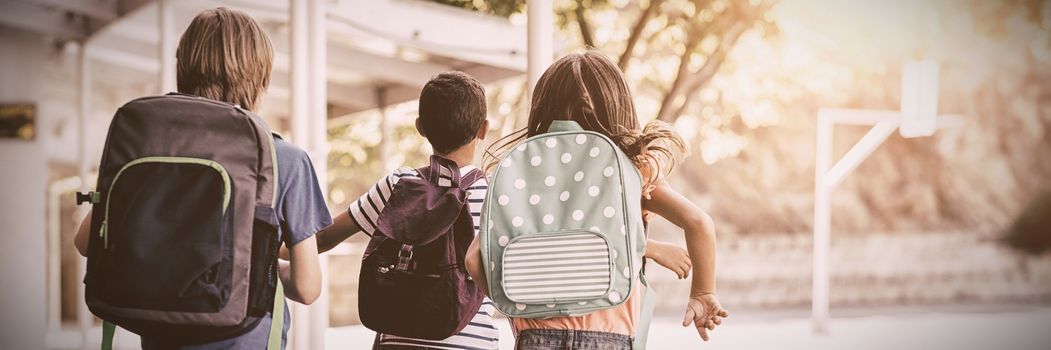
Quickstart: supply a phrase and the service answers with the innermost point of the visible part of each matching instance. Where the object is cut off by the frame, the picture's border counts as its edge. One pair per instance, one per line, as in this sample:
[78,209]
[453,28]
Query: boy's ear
[419,129]
[483,130]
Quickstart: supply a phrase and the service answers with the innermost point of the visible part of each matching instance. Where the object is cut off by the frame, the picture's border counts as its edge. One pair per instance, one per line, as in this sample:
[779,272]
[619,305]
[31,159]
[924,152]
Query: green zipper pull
[102,233]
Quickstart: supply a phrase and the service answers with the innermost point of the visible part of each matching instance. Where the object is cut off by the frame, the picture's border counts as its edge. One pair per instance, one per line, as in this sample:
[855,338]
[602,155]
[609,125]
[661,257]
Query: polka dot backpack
[561,226]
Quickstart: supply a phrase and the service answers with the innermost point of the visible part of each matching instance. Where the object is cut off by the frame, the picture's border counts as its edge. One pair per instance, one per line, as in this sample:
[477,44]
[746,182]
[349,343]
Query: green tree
[699,33]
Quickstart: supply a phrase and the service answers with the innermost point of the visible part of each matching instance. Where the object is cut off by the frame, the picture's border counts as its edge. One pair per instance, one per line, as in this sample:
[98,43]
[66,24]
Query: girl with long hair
[589,89]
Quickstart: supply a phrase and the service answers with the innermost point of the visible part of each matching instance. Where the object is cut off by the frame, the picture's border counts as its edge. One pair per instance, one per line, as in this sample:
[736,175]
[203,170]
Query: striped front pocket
[555,268]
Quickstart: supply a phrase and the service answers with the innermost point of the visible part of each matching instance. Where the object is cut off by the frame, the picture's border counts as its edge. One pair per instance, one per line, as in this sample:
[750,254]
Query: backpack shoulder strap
[441,168]
[472,176]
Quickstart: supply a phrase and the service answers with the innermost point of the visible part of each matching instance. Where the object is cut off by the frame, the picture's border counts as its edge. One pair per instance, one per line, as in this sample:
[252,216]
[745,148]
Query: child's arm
[670,256]
[703,308]
[81,239]
[473,264]
[302,274]
[343,226]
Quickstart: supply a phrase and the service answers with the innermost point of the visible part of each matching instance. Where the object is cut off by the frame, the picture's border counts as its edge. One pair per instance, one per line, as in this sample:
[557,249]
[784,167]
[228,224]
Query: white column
[318,89]
[166,46]
[84,318]
[540,41]
[317,145]
[386,129]
[298,70]
[54,258]
[822,222]
[300,123]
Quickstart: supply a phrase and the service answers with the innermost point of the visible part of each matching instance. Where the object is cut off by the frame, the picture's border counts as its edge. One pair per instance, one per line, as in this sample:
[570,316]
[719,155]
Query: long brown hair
[589,89]
[224,55]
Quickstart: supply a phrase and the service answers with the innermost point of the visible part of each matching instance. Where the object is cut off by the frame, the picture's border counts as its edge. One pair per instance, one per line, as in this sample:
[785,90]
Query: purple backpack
[413,282]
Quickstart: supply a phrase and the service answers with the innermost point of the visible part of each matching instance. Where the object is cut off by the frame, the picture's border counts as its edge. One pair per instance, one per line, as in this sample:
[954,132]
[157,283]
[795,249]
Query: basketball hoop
[917,117]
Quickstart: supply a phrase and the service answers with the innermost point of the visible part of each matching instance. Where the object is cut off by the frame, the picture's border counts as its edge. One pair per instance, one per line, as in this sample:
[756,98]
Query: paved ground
[1017,328]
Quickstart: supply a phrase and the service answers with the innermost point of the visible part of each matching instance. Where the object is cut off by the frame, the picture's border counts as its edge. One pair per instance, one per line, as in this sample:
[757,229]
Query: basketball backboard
[919,98]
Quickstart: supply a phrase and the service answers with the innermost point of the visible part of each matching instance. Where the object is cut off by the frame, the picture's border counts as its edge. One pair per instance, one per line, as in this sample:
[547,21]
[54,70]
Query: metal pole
[540,41]
[317,146]
[166,46]
[84,318]
[300,100]
[822,222]
[826,178]
[861,150]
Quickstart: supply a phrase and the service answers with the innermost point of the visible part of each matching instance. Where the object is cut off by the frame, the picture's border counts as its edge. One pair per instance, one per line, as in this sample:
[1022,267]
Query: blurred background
[936,242]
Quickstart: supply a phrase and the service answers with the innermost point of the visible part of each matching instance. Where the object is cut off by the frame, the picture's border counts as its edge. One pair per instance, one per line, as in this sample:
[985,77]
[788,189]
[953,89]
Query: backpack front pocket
[166,236]
[556,268]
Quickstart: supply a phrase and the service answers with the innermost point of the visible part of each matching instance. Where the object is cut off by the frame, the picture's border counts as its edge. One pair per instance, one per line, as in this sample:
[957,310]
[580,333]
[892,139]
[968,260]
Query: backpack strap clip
[405,257]
[90,197]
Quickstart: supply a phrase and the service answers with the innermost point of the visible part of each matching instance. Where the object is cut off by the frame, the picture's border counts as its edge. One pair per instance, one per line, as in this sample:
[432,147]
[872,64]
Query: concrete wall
[22,194]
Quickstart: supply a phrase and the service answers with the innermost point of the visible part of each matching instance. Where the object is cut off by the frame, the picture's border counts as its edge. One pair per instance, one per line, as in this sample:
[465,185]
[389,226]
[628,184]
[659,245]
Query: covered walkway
[334,58]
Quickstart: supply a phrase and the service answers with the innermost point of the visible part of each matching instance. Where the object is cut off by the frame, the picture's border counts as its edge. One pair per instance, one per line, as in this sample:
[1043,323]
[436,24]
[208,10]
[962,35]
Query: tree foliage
[700,33]
[742,81]
[502,8]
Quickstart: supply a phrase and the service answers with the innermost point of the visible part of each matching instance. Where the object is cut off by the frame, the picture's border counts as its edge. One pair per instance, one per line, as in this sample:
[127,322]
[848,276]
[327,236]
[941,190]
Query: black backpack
[413,282]
[184,235]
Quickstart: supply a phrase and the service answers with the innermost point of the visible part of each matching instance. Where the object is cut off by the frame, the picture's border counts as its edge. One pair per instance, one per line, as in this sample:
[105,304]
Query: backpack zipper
[104,233]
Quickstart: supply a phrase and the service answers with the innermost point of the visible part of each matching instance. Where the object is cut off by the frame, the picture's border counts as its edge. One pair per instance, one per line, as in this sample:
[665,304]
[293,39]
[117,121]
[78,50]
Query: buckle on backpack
[90,197]
[405,257]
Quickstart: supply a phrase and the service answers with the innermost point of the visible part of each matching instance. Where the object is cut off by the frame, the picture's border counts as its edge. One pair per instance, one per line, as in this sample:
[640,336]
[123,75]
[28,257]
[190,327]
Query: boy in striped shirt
[453,119]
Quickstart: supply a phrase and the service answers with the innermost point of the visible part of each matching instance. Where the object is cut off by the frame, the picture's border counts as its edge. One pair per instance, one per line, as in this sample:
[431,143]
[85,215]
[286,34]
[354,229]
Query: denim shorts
[567,339]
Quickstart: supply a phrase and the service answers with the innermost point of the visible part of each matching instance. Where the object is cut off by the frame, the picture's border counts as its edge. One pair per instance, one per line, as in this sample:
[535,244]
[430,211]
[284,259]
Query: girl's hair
[589,89]
[224,55]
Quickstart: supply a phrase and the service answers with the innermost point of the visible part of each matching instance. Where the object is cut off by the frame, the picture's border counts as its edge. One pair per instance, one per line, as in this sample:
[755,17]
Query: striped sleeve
[367,208]
[475,196]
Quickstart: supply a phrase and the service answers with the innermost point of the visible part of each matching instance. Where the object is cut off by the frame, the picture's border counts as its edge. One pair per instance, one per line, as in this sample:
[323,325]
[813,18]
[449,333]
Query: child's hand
[670,256]
[283,253]
[705,312]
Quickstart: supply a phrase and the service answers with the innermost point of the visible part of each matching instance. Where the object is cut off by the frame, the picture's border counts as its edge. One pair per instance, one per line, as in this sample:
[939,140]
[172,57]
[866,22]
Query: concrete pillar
[166,46]
[310,131]
[540,42]
[386,130]
[85,319]
[298,70]
[317,145]
[300,113]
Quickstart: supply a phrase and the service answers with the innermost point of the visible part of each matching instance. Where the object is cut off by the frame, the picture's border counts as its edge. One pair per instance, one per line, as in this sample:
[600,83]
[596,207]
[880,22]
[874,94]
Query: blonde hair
[589,89]
[224,55]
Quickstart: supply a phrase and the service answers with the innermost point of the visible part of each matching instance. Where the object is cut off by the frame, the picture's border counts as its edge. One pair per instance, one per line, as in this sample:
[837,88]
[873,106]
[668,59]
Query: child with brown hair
[225,58]
[588,89]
